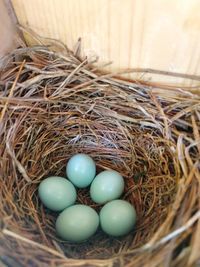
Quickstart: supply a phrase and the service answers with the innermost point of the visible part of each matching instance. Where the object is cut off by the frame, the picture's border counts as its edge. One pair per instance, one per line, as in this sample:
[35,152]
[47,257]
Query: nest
[54,105]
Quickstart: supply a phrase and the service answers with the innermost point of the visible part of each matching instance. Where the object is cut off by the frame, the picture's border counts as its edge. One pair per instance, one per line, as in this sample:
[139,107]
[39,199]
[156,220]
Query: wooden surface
[160,34]
[7,31]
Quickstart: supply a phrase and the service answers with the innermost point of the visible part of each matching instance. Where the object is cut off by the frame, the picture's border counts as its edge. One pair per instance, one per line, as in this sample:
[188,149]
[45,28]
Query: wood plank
[155,34]
[7,31]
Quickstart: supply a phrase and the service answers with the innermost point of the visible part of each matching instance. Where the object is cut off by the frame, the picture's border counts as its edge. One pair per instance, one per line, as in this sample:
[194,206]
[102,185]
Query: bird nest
[54,105]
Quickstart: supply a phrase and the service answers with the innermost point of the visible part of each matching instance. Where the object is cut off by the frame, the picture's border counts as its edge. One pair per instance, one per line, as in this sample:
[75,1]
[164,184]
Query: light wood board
[7,31]
[159,34]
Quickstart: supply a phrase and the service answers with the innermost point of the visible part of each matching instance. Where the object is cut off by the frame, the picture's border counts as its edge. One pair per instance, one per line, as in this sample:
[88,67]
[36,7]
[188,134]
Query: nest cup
[54,105]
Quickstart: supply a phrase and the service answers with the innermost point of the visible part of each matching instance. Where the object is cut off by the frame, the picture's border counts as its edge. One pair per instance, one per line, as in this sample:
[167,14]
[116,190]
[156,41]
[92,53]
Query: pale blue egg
[106,186]
[81,170]
[117,218]
[77,223]
[57,193]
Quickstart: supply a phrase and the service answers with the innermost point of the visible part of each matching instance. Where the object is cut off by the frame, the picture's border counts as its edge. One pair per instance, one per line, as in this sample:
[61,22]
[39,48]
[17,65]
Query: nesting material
[53,105]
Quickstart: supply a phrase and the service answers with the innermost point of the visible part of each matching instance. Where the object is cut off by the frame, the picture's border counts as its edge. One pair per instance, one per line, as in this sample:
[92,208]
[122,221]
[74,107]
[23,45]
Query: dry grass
[54,105]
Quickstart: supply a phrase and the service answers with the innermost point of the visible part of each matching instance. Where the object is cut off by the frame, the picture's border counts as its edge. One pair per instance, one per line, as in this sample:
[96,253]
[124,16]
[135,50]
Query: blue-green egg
[77,223]
[57,193]
[117,218]
[107,185]
[81,170]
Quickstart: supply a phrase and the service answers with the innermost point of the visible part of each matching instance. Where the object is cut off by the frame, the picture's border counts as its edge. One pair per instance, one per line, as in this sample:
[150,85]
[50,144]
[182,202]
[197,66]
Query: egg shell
[77,223]
[57,193]
[107,185]
[81,170]
[117,218]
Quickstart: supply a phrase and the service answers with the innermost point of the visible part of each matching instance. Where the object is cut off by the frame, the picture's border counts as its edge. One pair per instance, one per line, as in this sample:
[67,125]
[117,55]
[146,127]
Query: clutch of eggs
[78,222]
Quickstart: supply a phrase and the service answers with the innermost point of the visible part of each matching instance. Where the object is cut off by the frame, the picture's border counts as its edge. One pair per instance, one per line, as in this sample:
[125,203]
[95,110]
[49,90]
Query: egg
[117,217]
[107,185]
[81,170]
[57,193]
[77,223]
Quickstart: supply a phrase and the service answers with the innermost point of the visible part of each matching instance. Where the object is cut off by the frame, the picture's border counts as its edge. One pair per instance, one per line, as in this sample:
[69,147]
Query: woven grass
[54,105]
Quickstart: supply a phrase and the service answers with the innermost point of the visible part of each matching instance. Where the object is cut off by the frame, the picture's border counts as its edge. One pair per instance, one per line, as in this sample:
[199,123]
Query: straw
[54,105]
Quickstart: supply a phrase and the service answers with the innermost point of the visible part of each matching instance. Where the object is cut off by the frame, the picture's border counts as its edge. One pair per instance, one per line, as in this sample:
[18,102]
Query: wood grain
[155,34]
